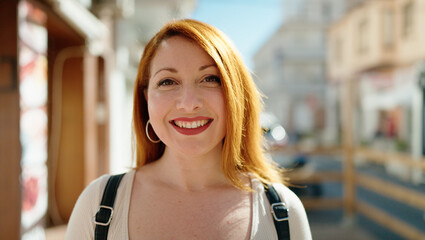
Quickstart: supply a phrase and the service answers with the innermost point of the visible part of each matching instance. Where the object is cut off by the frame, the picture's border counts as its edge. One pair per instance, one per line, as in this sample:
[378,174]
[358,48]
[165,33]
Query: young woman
[200,166]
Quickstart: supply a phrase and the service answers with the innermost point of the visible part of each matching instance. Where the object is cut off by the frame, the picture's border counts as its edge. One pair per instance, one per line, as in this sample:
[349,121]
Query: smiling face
[185,98]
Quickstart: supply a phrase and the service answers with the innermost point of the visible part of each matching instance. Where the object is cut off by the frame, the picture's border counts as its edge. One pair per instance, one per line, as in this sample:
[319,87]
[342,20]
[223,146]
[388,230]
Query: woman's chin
[196,148]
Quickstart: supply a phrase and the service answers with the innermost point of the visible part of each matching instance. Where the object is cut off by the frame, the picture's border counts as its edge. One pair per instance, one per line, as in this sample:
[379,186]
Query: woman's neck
[191,173]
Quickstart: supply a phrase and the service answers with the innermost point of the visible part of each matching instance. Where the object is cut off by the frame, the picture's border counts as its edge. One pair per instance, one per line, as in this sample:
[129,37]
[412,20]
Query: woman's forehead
[178,51]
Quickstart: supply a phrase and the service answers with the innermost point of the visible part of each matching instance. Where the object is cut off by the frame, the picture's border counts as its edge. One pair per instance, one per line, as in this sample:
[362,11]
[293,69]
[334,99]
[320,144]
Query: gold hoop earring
[147,133]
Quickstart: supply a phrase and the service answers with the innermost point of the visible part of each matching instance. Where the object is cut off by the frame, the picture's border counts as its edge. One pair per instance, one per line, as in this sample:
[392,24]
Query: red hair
[243,143]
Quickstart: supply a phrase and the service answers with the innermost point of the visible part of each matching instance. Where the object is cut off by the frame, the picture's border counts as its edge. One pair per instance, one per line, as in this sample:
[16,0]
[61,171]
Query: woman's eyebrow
[173,70]
[206,66]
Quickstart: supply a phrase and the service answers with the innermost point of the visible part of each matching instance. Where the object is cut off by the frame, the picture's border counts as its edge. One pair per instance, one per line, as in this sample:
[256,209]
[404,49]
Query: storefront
[389,113]
[53,98]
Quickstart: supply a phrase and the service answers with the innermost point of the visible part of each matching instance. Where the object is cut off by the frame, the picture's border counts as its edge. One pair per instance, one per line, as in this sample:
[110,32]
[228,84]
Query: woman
[200,165]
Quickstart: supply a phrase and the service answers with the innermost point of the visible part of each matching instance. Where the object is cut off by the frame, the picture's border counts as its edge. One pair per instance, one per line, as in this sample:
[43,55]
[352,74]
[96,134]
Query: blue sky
[249,23]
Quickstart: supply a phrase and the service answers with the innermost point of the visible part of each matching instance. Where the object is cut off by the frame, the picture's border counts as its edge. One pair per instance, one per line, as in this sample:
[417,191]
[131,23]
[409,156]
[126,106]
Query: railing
[350,203]
[393,191]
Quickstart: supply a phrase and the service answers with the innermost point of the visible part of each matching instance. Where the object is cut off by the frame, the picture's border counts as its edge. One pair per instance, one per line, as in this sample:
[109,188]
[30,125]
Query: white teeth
[194,124]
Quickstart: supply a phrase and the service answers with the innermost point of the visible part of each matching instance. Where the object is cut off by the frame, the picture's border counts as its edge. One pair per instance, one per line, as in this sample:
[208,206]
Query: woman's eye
[212,79]
[165,82]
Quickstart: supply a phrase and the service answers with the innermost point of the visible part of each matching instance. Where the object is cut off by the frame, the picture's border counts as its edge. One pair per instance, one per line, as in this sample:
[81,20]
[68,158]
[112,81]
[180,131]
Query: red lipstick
[191,131]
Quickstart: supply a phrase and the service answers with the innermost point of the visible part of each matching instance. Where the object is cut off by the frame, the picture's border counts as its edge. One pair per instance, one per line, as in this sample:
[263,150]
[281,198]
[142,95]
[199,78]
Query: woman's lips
[191,126]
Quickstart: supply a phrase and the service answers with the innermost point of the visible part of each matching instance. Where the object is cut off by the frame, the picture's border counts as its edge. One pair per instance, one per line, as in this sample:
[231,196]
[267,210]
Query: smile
[191,126]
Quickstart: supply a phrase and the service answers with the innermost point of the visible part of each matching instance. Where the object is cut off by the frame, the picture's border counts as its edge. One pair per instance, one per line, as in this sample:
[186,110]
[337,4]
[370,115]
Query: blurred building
[378,47]
[67,69]
[54,66]
[290,70]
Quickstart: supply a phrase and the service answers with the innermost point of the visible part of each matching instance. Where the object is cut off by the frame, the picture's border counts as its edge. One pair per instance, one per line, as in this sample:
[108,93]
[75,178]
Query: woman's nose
[190,99]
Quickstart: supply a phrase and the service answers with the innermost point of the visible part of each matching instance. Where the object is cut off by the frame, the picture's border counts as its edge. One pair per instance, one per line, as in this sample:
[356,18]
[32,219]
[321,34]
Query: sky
[248,23]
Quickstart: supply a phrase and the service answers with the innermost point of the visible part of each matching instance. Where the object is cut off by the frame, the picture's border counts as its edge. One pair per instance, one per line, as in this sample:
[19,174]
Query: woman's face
[185,98]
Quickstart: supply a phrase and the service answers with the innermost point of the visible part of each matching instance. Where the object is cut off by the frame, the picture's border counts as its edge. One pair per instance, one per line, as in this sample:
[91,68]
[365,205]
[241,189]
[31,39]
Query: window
[363,36]
[388,28]
[408,19]
[326,11]
[337,50]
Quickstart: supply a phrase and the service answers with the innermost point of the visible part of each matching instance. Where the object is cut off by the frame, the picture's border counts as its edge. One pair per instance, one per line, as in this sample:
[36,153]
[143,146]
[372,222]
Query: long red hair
[243,143]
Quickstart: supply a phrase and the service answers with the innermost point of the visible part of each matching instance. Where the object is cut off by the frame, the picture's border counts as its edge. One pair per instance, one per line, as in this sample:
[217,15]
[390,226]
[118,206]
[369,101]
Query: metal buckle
[110,216]
[274,206]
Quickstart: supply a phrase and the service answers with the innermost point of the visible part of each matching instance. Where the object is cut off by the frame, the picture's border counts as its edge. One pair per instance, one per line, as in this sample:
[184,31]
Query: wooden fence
[350,203]
[350,179]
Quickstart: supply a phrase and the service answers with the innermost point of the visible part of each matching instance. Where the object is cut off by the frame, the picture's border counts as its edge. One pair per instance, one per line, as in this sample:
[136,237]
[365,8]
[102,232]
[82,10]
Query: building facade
[54,72]
[377,46]
[290,70]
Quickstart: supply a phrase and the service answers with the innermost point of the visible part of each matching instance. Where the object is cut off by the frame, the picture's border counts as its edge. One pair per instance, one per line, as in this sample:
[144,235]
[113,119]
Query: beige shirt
[81,224]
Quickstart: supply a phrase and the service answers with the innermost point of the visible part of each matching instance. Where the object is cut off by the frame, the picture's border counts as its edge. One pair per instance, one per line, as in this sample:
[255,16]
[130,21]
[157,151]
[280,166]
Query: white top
[81,224]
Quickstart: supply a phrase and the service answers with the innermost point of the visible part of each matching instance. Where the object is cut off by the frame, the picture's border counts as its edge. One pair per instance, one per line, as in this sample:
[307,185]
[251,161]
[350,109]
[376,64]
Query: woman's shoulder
[94,190]
[96,186]
[287,195]
[81,223]
[89,198]
[298,220]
